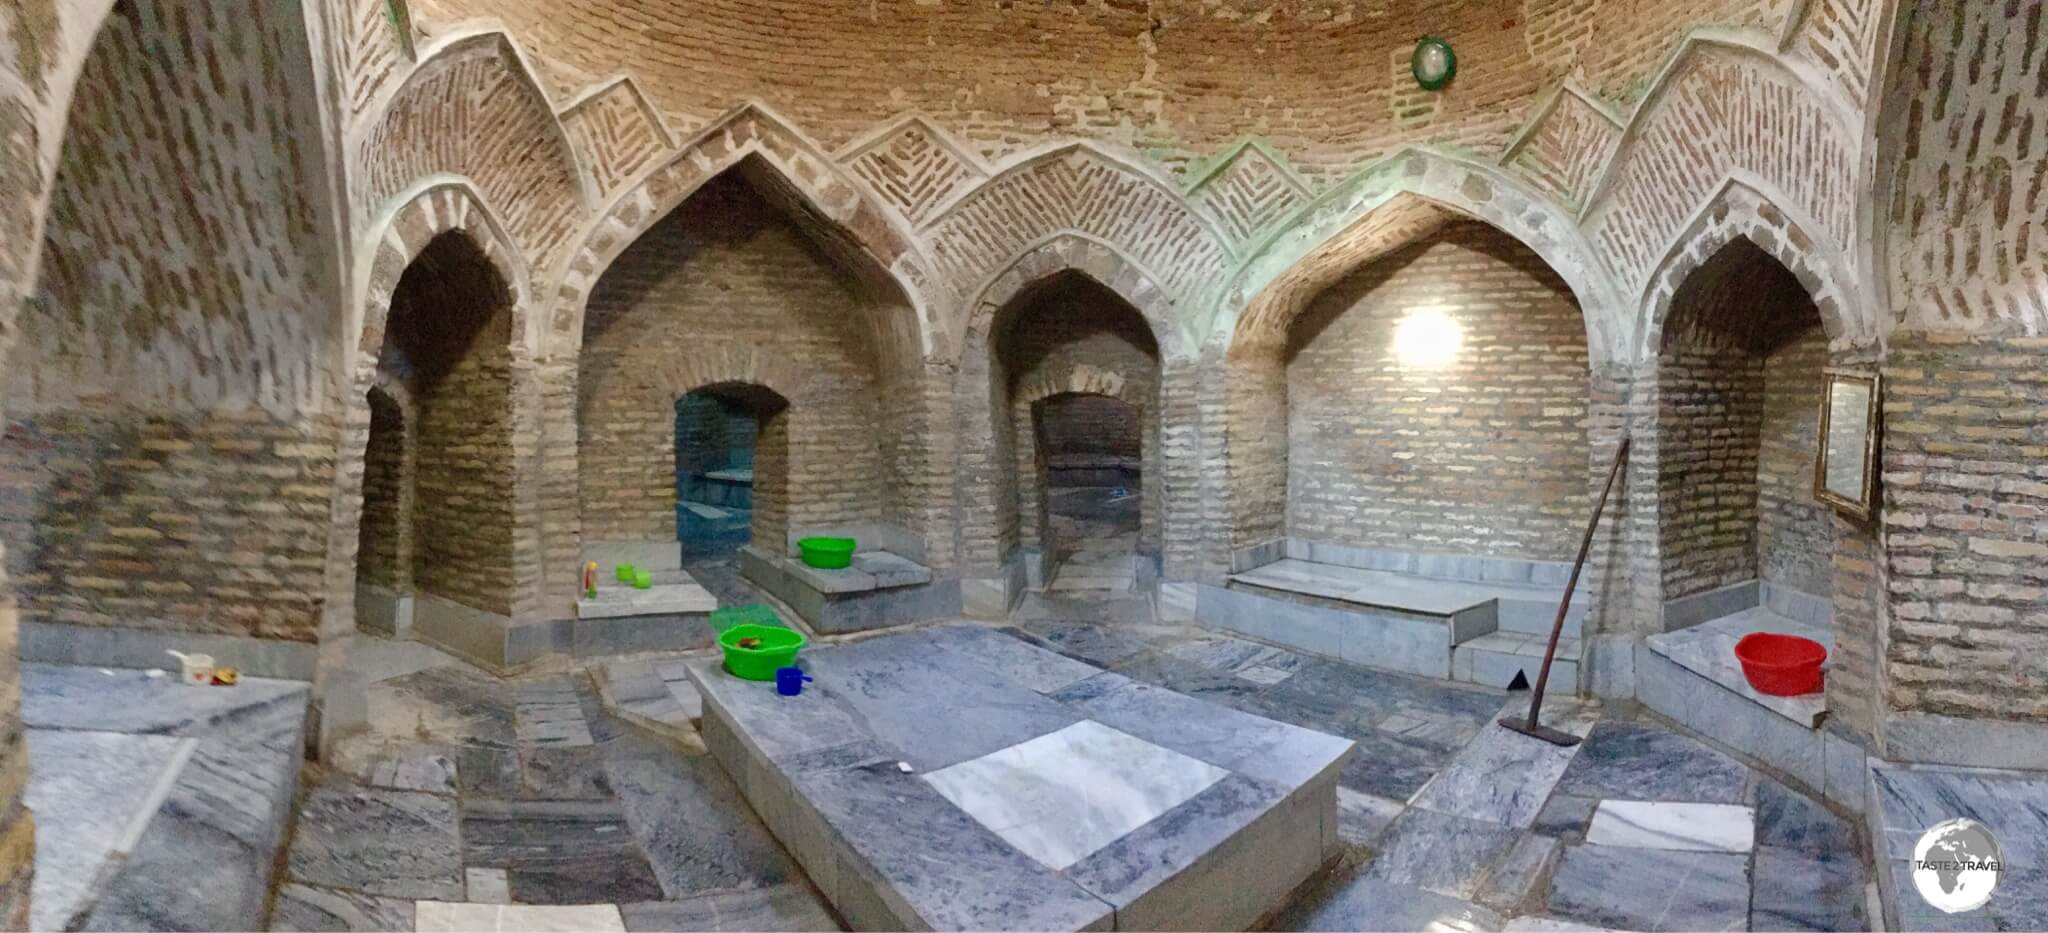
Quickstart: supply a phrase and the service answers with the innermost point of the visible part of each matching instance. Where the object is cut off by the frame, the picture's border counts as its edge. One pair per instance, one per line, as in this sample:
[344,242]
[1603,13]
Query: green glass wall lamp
[1434,64]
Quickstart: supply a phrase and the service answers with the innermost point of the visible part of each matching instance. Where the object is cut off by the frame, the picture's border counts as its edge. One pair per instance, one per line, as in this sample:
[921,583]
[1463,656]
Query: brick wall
[448,340]
[1484,456]
[1738,394]
[1965,495]
[727,290]
[1795,532]
[1088,428]
[384,547]
[1063,326]
[166,462]
[211,523]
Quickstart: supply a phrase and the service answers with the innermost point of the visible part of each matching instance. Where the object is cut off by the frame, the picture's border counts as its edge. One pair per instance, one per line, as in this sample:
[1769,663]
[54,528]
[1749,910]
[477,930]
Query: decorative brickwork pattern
[172,288]
[1248,191]
[914,167]
[753,303]
[1566,146]
[1968,183]
[832,208]
[1081,190]
[618,133]
[473,110]
[1726,110]
[1965,490]
[373,49]
[1842,36]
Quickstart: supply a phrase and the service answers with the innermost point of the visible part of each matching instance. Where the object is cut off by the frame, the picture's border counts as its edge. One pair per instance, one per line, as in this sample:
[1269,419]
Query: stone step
[1493,660]
[668,596]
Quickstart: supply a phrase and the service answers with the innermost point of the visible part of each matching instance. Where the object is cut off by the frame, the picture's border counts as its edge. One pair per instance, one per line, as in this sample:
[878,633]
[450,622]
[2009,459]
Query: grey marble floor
[476,801]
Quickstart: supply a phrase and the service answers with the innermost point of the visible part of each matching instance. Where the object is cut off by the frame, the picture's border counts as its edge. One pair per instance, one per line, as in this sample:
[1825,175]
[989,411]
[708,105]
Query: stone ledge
[1708,650]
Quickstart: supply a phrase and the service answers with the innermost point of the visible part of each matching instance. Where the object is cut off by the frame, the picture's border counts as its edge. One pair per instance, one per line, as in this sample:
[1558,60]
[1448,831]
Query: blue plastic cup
[789,681]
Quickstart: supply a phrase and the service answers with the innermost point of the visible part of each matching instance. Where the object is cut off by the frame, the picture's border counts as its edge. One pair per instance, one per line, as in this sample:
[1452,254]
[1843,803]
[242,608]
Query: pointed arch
[473,107]
[1741,211]
[1389,206]
[1089,194]
[830,203]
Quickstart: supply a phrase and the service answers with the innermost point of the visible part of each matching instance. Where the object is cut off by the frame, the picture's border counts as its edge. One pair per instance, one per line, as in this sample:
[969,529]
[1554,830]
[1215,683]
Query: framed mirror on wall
[1845,470]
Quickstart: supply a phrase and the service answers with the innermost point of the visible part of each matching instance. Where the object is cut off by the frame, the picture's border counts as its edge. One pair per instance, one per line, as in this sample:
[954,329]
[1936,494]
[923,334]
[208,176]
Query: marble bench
[881,588]
[1064,797]
[1475,619]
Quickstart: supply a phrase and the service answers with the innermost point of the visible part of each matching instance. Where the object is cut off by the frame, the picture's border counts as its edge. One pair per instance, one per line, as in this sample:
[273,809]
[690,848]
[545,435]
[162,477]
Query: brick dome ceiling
[1325,80]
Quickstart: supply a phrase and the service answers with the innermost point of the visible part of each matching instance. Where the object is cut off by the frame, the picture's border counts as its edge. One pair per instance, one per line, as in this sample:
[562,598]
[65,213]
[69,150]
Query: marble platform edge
[1681,647]
[1919,738]
[825,855]
[97,646]
[1472,568]
[207,858]
[1407,645]
[1690,610]
[867,536]
[383,610]
[842,613]
[1260,885]
[1817,762]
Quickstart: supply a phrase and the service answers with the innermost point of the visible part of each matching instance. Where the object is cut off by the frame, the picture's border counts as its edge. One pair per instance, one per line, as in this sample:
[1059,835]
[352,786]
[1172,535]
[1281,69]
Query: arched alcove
[439,517]
[732,477]
[1739,387]
[1063,335]
[739,284]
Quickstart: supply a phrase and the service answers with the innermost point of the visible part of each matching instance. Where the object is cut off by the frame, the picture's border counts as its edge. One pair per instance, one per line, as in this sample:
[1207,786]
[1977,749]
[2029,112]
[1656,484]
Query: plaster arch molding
[1105,264]
[1387,207]
[1741,211]
[435,206]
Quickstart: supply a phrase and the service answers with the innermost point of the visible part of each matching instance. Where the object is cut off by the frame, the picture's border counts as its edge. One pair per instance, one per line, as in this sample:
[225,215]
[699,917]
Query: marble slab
[1371,904]
[1632,761]
[690,821]
[558,851]
[1011,657]
[2013,805]
[612,602]
[1807,890]
[1439,852]
[924,863]
[301,907]
[382,842]
[1689,827]
[1061,796]
[1146,821]
[899,688]
[1514,881]
[1788,819]
[92,793]
[207,859]
[1235,741]
[458,917]
[1503,776]
[57,696]
[782,907]
[1651,889]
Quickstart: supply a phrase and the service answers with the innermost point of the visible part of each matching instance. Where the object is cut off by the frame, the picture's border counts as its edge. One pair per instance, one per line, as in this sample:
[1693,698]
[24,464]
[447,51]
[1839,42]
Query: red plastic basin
[1781,665]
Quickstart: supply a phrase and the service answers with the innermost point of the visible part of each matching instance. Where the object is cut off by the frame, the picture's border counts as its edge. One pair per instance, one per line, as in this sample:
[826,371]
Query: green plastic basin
[778,648]
[827,553]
